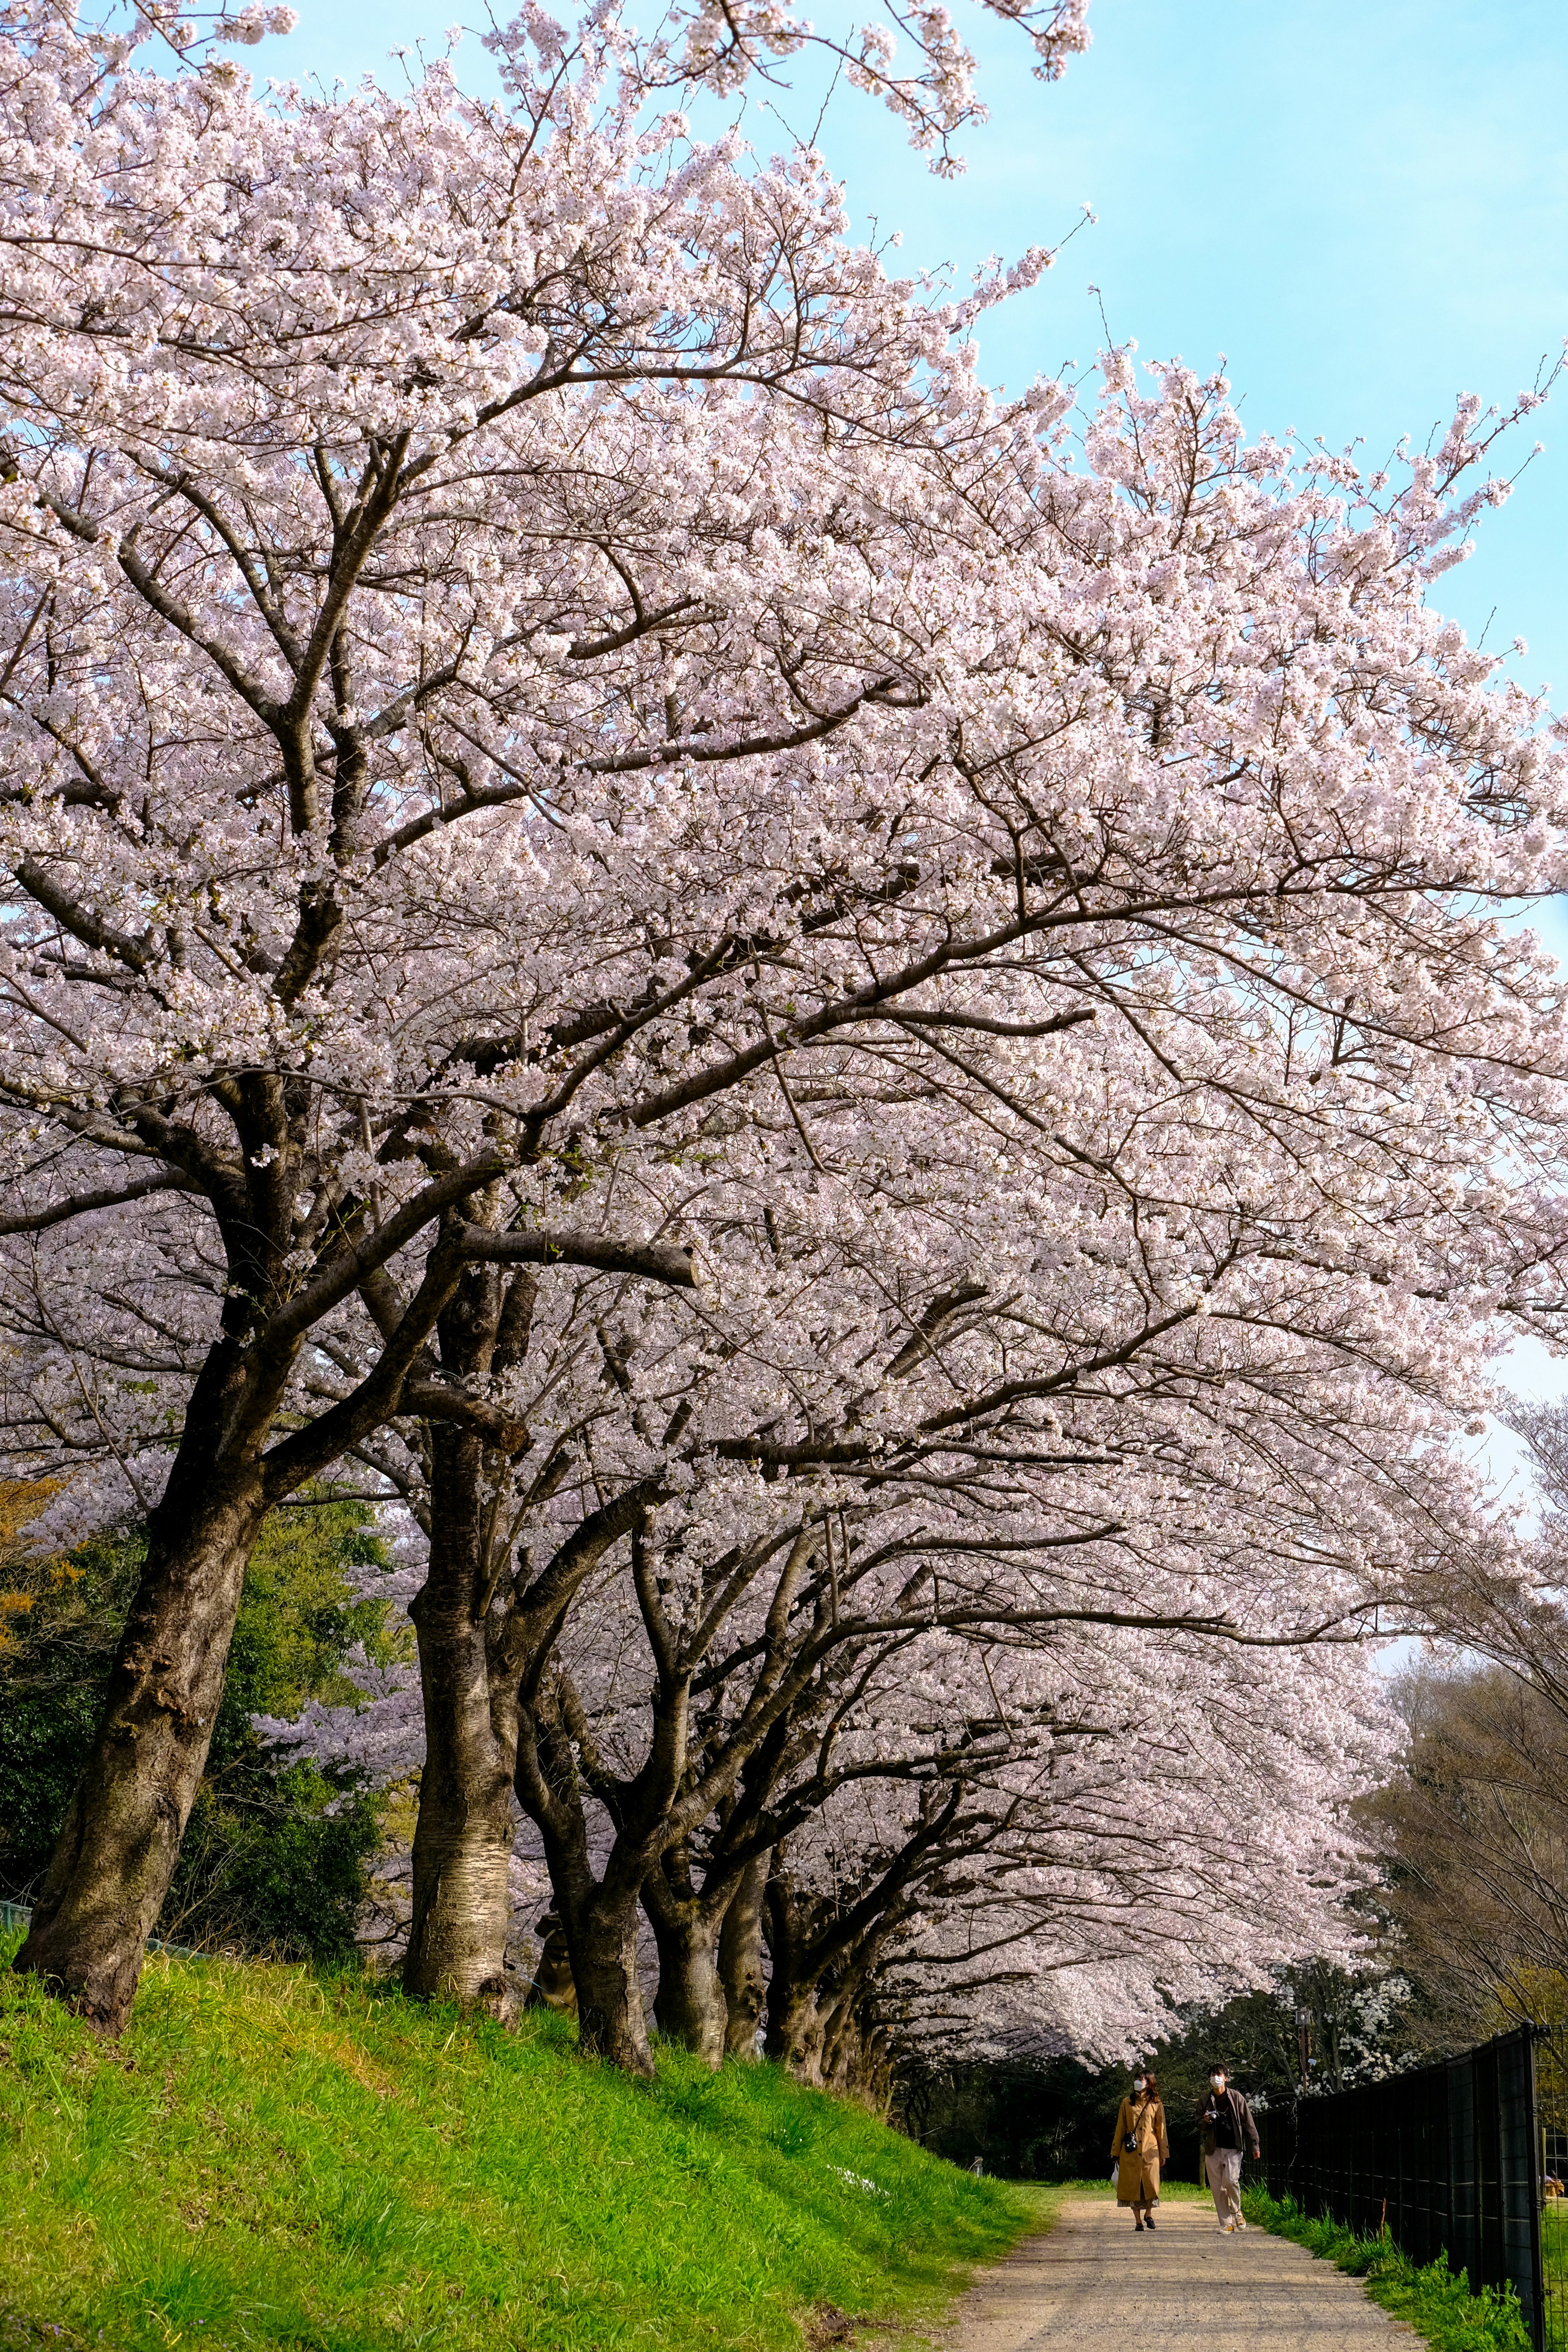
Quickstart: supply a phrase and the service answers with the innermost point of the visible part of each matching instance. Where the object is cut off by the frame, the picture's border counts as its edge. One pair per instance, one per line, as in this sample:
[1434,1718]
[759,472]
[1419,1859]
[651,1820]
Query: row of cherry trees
[857,1039]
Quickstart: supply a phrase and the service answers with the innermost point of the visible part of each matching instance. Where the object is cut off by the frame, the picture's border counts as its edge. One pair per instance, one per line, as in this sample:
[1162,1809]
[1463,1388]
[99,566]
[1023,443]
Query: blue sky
[1362,204]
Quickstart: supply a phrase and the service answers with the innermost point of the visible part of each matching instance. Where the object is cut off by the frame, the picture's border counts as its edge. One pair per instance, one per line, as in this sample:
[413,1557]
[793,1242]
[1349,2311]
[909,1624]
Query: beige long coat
[1138,2169]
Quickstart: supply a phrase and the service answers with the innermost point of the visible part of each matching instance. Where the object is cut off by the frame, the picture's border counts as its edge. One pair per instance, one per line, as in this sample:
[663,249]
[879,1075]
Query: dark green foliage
[1050,2120]
[272,1860]
[1317,2023]
[298,1618]
[63,1626]
[1435,2301]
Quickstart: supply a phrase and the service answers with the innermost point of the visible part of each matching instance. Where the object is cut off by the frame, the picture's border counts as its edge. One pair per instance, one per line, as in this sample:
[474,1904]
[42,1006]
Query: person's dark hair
[1151,2080]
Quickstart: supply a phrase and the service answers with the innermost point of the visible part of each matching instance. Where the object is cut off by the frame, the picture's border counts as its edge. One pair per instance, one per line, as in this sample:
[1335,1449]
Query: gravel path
[1093,2285]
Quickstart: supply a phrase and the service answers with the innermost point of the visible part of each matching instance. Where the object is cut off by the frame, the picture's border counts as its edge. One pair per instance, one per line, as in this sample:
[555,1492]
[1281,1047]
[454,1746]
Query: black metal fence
[1447,2158]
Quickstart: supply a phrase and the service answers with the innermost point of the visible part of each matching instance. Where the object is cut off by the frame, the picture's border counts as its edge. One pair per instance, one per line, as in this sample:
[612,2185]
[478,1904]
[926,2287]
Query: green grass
[273,2158]
[1554,2264]
[1435,2301]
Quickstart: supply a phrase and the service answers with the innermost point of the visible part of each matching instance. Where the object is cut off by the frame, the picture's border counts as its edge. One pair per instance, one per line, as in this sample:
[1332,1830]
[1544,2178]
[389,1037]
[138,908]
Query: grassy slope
[270,2158]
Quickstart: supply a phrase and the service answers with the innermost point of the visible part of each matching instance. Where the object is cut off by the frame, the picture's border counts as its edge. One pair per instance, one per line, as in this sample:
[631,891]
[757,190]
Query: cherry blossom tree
[559,740]
[1184,1830]
[681,1721]
[282,565]
[1030,1841]
[1264,1335]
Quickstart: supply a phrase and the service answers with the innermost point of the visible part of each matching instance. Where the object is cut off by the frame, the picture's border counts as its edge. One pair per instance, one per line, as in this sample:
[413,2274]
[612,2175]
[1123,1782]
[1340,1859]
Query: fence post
[1534,2189]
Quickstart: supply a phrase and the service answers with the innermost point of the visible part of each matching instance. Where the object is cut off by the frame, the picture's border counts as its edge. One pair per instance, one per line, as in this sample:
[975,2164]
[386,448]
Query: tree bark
[795,2031]
[602,1942]
[689,2007]
[463,1838]
[598,1915]
[116,1853]
[825,1951]
[740,1960]
[855,2058]
[795,2023]
[112,1864]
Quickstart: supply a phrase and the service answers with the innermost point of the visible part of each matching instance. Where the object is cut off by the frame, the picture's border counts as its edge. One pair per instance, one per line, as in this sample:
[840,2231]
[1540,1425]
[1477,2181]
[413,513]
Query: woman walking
[1140,2148]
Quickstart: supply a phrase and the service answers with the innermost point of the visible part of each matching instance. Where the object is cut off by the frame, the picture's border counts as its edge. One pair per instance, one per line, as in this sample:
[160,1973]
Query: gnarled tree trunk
[795,2023]
[116,1853]
[855,2060]
[598,1915]
[603,1941]
[552,1987]
[797,2030]
[740,1960]
[464,1834]
[689,2005]
[112,1866]
[859,2070]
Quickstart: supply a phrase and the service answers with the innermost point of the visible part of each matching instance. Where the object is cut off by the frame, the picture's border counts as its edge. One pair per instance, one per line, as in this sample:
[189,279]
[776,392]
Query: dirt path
[1092,2284]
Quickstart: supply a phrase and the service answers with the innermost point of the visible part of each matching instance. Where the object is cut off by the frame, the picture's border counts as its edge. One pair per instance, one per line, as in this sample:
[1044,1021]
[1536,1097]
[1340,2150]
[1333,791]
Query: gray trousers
[1223,2165]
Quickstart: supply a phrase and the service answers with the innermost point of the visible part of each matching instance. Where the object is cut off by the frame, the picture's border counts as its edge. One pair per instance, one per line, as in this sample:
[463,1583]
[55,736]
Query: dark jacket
[1245,2129]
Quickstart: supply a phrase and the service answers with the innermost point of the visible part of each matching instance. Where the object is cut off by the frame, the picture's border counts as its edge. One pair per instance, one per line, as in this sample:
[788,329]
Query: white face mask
[1138,2081]
[1218,2081]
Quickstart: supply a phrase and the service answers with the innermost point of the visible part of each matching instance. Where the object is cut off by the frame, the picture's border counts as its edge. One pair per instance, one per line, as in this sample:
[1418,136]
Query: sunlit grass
[270,2158]
[1554,2266]
[1430,2297]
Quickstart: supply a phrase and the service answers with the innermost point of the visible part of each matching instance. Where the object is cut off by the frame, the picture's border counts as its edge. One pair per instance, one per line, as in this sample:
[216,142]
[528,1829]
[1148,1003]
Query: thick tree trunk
[111,1870]
[840,2044]
[689,2005]
[855,2058]
[740,1960]
[798,1999]
[597,1915]
[602,1942]
[116,1853]
[796,2030]
[463,1838]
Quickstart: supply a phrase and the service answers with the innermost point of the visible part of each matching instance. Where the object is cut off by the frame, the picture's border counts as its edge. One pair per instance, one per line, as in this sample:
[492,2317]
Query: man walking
[1226,2124]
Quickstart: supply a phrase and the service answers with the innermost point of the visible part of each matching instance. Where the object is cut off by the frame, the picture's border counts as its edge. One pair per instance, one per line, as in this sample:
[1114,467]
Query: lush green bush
[272,1860]
[1435,2301]
[61,1620]
[270,2158]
